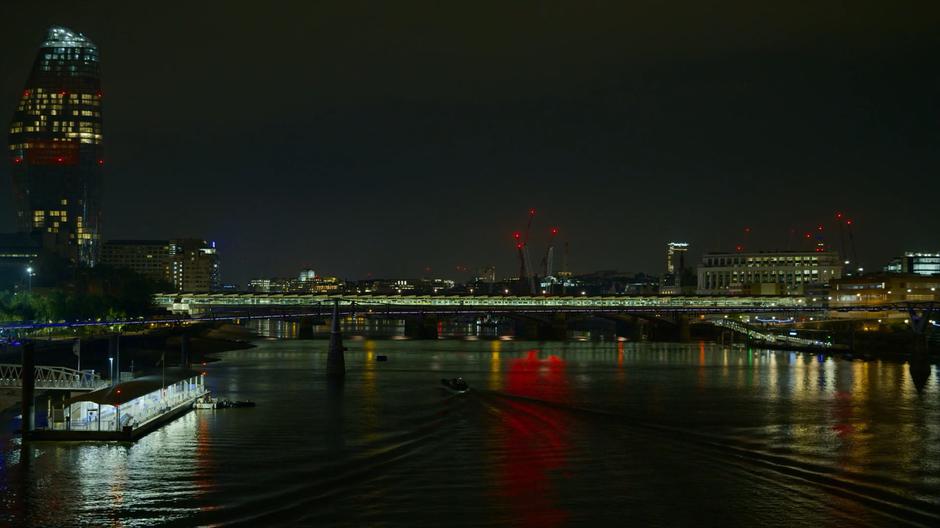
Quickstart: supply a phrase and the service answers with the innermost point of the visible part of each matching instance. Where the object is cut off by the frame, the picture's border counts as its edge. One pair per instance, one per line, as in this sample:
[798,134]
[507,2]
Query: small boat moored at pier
[455,385]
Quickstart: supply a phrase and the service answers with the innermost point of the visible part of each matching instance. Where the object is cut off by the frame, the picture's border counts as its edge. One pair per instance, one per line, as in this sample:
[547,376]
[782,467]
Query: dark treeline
[63,292]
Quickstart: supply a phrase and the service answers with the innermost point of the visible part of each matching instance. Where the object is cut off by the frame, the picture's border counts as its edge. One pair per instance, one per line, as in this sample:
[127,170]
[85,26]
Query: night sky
[358,137]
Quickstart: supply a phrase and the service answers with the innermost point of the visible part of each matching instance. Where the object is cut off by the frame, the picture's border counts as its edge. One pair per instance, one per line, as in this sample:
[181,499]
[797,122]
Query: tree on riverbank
[61,292]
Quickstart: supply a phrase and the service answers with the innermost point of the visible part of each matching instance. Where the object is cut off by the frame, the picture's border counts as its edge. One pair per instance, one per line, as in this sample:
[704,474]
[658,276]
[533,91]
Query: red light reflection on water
[843,413]
[535,440]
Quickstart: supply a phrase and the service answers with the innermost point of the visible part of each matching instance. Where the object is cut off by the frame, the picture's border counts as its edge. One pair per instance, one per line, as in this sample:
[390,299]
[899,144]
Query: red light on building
[18,160]
[747,229]
[60,159]
[531,211]
[101,162]
[554,230]
[848,222]
[25,93]
[99,95]
[819,227]
[838,216]
[808,235]
[739,248]
[518,246]
[63,93]
[517,235]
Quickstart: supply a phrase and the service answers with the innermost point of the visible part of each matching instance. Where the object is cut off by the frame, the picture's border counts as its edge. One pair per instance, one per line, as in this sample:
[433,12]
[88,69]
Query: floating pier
[125,411]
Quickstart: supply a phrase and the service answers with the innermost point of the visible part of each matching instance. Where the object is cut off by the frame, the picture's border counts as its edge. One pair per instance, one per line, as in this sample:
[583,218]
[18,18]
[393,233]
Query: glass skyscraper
[55,147]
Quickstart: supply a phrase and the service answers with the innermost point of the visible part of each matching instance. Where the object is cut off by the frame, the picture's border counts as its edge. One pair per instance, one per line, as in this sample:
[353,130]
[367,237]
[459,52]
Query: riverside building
[766,273]
[55,148]
[190,265]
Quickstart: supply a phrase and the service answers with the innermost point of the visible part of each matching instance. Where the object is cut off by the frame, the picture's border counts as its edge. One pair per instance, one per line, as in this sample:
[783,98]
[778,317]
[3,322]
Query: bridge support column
[685,332]
[554,329]
[335,358]
[639,329]
[421,327]
[305,328]
[28,362]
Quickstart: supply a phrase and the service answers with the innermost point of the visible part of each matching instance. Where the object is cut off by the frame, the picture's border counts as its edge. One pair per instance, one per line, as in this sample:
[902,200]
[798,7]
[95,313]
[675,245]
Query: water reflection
[551,434]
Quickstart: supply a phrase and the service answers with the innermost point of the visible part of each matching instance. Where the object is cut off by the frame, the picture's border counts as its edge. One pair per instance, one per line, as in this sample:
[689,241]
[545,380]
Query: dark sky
[385,137]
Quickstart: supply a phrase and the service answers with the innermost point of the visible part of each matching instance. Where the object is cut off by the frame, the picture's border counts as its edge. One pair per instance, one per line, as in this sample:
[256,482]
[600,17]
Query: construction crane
[848,225]
[849,255]
[548,261]
[525,262]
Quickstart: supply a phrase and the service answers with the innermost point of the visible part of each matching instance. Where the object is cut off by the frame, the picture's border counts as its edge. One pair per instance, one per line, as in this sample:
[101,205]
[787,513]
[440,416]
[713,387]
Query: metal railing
[47,378]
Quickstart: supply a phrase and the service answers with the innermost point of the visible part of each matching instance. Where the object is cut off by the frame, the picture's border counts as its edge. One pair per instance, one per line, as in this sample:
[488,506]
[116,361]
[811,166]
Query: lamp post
[111,369]
[29,275]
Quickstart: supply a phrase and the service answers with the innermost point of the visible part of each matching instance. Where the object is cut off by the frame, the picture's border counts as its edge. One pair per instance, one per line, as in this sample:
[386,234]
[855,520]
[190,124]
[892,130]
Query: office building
[306,282]
[671,282]
[918,263]
[55,148]
[882,288]
[766,273]
[190,265]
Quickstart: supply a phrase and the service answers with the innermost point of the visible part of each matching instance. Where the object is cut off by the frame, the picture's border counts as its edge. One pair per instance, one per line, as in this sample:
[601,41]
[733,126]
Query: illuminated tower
[671,281]
[55,146]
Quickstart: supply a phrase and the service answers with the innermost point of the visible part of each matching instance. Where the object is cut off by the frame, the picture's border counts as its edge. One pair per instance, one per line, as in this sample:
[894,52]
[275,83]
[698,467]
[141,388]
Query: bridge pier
[336,358]
[639,329]
[421,327]
[554,329]
[685,328]
[305,328]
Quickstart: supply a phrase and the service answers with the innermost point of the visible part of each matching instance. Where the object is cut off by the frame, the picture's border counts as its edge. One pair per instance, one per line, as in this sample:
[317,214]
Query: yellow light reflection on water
[496,373]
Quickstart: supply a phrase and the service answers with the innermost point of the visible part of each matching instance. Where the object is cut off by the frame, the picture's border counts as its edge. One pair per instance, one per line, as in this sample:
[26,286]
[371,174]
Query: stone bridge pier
[422,327]
[552,327]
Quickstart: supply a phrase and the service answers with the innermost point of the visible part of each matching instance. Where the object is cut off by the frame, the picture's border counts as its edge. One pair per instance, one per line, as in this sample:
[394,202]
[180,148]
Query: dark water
[553,435]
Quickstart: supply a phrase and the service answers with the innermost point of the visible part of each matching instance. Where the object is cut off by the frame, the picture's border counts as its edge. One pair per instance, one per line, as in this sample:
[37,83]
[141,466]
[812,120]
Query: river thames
[551,434]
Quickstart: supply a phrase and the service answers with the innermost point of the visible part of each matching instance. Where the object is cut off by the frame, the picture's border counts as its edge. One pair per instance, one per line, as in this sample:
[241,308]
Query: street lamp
[29,274]
[111,369]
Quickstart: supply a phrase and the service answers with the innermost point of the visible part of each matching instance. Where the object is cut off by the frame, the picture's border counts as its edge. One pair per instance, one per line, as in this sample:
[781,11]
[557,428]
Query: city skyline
[428,143]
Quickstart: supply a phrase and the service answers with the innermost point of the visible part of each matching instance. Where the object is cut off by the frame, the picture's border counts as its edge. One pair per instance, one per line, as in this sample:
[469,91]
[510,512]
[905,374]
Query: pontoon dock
[125,411]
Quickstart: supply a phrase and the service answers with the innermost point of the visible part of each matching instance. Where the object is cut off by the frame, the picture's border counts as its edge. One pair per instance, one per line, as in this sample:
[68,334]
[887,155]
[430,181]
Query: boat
[455,385]
[206,402]
[239,403]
